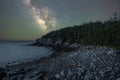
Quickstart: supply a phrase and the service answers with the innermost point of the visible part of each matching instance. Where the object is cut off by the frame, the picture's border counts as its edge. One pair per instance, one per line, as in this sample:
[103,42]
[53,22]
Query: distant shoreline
[17,40]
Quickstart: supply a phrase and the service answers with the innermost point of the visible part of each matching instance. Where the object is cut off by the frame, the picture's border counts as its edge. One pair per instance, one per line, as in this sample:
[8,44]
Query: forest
[93,33]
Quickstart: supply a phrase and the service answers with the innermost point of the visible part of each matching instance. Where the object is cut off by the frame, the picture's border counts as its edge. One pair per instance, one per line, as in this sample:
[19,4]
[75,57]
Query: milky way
[43,16]
[31,19]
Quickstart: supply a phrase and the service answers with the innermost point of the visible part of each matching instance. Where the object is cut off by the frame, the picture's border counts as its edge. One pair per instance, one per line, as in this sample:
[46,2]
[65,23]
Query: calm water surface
[15,51]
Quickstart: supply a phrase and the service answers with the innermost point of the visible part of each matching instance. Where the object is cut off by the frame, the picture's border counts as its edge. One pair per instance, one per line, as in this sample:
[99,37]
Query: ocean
[17,51]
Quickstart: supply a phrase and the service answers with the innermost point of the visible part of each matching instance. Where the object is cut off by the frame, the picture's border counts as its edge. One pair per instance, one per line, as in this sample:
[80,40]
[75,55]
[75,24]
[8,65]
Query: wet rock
[2,74]
[52,78]
[111,52]
[118,79]
[78,71]
[97,78]
[42,75]
[118,52]
[108,72]
[65,44]
[62,73]
[21,71]
[57,76]
[75,45]
[59,42]
[20,77]
[101,73]
[77,74]
[14,78]
[91,76]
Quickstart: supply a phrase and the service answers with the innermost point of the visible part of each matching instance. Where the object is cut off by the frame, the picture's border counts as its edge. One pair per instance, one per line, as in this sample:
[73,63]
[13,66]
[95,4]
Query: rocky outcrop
[57,45]
[48,41]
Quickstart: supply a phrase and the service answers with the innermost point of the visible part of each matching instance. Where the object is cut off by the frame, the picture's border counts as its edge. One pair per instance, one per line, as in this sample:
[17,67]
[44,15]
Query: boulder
[111,52]
[42,75]
[57,76]
[118,79]
[78,71]
[58,42]
[2,74]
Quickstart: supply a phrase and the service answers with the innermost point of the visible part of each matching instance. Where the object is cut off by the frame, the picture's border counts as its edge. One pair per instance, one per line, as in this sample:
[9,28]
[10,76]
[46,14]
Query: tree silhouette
[97,33]
[115,16]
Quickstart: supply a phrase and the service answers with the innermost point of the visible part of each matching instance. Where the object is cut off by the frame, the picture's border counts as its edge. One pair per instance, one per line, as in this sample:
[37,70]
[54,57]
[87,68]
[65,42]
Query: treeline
[93,33]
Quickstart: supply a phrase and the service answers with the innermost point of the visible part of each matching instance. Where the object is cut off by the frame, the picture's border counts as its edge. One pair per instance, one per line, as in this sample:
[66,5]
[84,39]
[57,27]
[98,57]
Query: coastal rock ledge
[49,41]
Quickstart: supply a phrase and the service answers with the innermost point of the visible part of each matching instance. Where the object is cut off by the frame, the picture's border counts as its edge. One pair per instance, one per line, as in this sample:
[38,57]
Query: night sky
[30,19]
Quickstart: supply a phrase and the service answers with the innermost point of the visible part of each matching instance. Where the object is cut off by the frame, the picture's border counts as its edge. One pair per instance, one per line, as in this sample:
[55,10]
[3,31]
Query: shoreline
[25,60]
[56,51]
[65,65]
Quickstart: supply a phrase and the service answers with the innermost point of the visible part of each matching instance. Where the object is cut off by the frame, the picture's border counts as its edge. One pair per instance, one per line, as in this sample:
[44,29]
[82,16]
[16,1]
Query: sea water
[18,51]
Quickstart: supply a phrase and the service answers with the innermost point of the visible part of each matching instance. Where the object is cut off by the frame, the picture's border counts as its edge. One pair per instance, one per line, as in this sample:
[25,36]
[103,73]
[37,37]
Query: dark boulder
[42,75]
[2,74]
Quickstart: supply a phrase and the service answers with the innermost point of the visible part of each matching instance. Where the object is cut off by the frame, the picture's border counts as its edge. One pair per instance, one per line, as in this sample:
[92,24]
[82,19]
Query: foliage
[93,33]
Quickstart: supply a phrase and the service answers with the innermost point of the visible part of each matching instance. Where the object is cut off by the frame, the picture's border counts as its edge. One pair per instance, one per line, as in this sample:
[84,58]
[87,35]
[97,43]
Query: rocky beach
[84,62]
